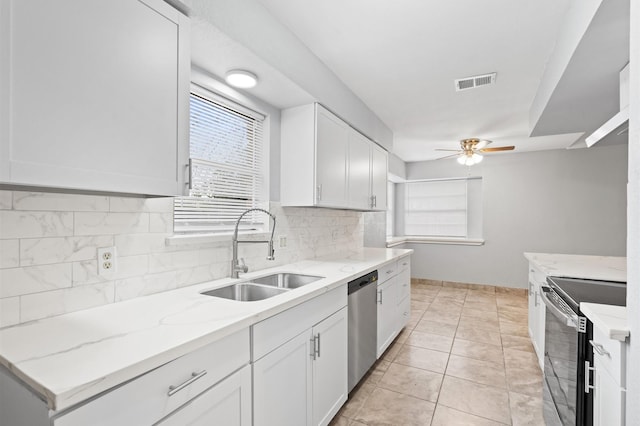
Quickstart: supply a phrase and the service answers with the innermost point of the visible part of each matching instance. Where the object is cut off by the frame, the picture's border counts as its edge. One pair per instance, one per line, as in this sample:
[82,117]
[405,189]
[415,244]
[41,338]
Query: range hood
[619,123]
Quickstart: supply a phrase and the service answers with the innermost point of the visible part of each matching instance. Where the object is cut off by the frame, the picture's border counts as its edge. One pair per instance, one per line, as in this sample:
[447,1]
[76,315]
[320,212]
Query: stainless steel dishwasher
[363,326]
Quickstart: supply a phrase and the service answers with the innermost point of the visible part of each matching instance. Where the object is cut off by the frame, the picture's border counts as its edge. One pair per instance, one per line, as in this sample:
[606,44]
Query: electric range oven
[567,352]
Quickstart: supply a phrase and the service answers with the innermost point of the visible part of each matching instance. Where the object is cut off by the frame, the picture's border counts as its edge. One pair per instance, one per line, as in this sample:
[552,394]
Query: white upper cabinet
[332,136]
[94,95]
[359,181]
[379,170]
[326,163]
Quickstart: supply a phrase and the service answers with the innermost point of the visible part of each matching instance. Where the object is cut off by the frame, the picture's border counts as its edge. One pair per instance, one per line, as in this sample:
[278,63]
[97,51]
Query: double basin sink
[262,287]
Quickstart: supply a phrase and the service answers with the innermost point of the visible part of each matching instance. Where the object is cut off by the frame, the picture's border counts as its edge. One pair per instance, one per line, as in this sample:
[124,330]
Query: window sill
[199,239]
[395,241]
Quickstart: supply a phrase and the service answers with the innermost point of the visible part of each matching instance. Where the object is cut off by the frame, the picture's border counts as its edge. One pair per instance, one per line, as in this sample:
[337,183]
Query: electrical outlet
[107,260]
[282,241]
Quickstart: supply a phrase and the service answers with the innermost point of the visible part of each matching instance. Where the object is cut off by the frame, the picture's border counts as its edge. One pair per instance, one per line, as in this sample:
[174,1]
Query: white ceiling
[402,58]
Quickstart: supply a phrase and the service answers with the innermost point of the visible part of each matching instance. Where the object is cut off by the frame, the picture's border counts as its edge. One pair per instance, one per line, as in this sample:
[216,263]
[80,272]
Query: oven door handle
[570,320]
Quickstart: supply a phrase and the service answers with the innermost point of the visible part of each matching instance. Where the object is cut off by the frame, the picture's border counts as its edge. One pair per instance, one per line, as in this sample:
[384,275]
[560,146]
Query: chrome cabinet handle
[599,348]
[315,349]
[194,376]
[535,298]
[390,271]
[530,288]
[380,294]
[587,382]
[319,193]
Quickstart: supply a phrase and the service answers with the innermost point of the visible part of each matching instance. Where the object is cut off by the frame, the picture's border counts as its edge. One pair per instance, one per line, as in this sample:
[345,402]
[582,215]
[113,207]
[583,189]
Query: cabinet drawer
[404,313]
[275,331]
[146,399]
[404,285]
[610,355]
[387,271]
[404,263]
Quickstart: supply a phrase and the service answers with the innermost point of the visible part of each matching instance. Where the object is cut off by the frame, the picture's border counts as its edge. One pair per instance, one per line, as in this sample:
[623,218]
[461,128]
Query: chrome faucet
[236,266]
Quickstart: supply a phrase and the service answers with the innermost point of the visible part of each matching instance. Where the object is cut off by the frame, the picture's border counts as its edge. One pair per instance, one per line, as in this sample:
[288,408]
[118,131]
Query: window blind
[227,169]
[436,208]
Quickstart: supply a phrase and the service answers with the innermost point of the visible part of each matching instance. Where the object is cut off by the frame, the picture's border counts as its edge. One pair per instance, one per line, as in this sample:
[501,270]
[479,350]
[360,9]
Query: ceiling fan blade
[452,150]
[482,143]
[497,148]
[448,156]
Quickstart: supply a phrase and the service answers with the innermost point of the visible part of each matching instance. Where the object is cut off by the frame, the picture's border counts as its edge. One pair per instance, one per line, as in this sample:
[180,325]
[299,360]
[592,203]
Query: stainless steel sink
[286,280]
[245,292]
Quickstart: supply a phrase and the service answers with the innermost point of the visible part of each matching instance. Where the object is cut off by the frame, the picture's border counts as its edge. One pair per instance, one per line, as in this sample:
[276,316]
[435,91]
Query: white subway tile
[49,201]
[5,200]
[9,311]
[162,262]
[132,204]
[130,288]
[161,222]
[22,224]
[110,223]
[9,254]
[214,255]
[51,303]
[131,244]
[201,274]
[34,279]
[86,272]
[41,251]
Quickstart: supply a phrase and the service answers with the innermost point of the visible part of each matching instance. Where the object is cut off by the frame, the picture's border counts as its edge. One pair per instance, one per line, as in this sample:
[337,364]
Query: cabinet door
[387,314]
[96,94]
[379,177]
[359,171]
[608,399]
[331,159]
[227,403]
[329,367]
[282,384]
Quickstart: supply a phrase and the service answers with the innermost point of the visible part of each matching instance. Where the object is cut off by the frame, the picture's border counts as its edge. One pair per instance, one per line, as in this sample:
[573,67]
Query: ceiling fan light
[476,158]
[462,159]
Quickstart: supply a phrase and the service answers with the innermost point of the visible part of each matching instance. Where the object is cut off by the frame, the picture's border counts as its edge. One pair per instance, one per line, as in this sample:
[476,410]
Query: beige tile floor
[464,359]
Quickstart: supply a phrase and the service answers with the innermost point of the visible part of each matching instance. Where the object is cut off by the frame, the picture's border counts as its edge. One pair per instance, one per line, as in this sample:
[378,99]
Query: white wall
[633,233]
[48,242]
[561,201]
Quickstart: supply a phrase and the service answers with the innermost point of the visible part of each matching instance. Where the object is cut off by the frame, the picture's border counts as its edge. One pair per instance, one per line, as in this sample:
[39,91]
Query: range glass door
[560,360]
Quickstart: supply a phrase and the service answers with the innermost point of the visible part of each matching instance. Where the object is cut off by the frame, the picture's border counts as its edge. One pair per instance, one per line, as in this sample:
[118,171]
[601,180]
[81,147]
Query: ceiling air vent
[475,81]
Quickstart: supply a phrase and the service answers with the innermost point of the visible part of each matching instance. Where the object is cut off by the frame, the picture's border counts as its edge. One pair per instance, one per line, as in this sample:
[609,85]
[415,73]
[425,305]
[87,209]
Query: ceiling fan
[470,151]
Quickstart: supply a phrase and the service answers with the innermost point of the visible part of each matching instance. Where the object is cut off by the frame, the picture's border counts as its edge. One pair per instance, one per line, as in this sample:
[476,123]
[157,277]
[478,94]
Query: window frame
[251,224]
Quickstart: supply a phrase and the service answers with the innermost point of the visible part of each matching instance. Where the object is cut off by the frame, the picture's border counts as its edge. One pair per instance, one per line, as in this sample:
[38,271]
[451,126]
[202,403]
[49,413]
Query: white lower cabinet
[282,384]
[394,301]
[228,403]
[387,318]
[303,380]
[329,367]
[609,379]
[537,312]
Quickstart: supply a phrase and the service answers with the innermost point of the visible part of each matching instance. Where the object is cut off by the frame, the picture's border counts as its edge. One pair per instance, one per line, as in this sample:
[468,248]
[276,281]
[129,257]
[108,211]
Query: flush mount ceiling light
[241,79]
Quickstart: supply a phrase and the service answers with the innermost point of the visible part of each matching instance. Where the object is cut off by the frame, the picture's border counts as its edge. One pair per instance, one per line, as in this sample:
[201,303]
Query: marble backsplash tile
[49,242]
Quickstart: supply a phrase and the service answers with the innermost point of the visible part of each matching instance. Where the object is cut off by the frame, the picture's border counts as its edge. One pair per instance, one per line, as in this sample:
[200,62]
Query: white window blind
[436,208]
[227,168]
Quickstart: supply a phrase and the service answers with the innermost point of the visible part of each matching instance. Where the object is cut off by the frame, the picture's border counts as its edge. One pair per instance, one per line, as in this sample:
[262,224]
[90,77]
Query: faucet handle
[243,266]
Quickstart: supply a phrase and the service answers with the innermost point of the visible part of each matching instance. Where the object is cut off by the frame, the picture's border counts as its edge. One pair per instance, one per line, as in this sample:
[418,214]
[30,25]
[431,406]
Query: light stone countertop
[612,320]
[75,356]
[605,268]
